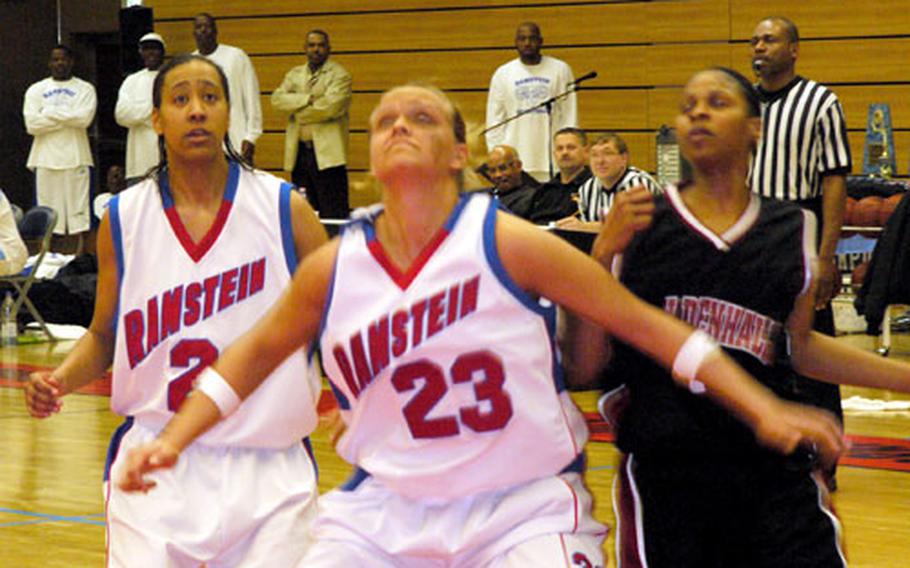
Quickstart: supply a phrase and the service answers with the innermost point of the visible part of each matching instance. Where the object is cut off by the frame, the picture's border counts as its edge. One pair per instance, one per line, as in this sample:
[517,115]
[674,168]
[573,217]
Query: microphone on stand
[584,77]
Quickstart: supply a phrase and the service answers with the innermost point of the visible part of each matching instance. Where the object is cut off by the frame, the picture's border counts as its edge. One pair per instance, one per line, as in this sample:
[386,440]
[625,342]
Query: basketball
[865,213]
[888,207]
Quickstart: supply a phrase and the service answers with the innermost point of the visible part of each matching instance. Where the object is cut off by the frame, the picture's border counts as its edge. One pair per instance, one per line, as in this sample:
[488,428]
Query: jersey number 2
[478,417]
[194,355]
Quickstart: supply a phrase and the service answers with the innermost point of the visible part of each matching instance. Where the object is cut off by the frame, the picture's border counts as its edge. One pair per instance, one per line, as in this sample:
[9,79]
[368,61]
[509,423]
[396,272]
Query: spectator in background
[512,186]
[13,253]
[522,84]
[246,112]
[558,198]
[114,183]
[803,156]
[317,97]
[57,112]
[609,160]
[134,109]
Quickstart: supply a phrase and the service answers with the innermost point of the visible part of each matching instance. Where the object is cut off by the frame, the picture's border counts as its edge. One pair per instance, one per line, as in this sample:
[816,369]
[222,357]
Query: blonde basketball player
[433,329]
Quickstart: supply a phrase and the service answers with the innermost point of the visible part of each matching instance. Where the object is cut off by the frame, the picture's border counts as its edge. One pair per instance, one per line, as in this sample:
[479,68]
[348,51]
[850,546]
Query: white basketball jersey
[447,375]
[182,303]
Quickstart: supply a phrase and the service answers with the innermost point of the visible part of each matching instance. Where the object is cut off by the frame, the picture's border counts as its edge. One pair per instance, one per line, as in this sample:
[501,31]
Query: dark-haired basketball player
[697,489]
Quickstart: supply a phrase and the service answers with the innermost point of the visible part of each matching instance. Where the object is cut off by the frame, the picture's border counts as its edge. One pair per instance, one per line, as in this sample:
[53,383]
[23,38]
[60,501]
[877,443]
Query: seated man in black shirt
[513,187]
[558,197]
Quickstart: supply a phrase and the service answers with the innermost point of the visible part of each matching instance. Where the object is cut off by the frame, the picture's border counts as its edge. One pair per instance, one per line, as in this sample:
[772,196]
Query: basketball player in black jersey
[696,489]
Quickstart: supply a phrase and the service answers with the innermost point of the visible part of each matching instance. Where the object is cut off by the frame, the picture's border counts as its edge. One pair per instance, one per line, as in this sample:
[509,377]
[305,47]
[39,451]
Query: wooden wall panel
[472,105]
[643,51]
[692,20]
[450,30]
[168,9]
[844,61]
[617,67]
[856,60]
[663,106]
[271,119]
[901,146]
[666,67]
[824,18]
[856,101]
[270,151]
[622,109]
[830,62]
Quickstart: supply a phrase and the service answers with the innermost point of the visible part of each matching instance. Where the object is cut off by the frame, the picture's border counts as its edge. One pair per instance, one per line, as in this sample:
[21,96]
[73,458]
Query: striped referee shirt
[594,200]
[804,138]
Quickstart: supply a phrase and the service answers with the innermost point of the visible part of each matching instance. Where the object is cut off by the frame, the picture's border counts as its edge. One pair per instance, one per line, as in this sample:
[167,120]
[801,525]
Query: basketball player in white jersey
[188,258]
[439,348]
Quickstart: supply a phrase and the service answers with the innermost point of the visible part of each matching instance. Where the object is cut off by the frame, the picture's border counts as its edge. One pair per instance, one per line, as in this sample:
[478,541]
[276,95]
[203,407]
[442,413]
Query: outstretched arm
[824,358]
[531,257]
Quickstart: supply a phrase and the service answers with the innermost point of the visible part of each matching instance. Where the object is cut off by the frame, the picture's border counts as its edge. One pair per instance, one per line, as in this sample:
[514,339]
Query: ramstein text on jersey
[187,305]
[393,335]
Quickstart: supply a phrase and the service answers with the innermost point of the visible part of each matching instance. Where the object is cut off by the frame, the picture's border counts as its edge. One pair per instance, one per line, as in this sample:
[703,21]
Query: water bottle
[8,331]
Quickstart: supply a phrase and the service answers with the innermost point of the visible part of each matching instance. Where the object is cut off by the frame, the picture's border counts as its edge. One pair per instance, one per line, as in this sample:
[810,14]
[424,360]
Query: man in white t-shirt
[522,84]
[134,109]
[246,112]
[57,111]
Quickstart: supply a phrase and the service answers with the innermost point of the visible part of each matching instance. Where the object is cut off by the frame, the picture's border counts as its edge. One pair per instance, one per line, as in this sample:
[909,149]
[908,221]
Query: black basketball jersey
[739,287]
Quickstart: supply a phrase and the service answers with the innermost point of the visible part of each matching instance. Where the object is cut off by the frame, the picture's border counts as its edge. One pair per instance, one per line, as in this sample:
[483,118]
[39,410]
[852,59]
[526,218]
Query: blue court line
[46,518]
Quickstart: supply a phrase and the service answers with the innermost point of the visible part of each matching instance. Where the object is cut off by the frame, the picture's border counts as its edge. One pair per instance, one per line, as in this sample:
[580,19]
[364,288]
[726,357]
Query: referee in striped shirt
[803,156]
[609,160]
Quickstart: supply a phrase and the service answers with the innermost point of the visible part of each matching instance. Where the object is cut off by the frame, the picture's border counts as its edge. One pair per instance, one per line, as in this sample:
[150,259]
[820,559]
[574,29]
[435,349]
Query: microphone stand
[548,105]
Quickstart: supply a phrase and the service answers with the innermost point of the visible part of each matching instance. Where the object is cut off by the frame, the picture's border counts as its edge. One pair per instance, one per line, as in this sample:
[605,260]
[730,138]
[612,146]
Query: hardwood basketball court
[52,509]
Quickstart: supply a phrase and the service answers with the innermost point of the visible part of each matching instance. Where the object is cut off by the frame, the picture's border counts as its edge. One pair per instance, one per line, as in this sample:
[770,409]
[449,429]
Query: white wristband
[216,388]
[689,358]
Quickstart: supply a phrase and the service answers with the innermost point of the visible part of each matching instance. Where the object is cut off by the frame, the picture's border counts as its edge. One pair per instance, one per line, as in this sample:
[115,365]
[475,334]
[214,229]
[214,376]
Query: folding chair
[36,229]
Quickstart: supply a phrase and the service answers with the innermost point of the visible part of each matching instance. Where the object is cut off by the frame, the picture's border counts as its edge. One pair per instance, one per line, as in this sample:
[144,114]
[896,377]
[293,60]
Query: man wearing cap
[134,109]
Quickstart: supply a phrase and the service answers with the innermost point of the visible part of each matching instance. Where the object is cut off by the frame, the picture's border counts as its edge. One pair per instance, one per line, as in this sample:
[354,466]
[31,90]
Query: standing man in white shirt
[57,112]
[134,109]
[246,112]
[524,83]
